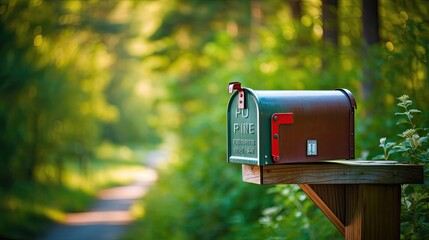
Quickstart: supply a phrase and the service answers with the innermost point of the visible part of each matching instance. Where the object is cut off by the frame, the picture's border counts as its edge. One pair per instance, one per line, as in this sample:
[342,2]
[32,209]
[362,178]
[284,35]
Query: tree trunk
[330,22]
[370,21]
[295,8]
[370,37]
[330,32]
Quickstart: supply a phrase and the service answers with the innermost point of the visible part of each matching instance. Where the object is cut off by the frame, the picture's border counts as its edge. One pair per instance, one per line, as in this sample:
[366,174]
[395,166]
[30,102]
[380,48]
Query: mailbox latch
[278,119]
[237,86]
[311,147]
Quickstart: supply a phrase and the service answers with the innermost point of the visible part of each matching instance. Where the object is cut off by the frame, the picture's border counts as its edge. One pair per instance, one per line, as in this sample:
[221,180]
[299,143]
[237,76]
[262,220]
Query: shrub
[412,147]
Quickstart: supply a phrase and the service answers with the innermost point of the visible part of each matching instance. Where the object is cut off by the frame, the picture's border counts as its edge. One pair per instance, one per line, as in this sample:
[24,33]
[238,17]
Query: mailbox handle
[276,120]
[237,86]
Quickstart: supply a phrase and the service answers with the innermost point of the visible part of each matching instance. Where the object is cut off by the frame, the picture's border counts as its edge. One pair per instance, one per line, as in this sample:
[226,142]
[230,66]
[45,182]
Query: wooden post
[373,211]
[362,200]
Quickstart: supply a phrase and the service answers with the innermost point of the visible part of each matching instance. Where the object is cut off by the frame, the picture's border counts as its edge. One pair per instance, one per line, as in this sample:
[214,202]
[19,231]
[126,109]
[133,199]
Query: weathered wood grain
[251,174]
[333,173]
[373,211]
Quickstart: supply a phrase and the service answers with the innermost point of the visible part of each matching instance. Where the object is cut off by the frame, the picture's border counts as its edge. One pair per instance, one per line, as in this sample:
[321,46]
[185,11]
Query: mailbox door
[322,128]
[243,130]
[325,135]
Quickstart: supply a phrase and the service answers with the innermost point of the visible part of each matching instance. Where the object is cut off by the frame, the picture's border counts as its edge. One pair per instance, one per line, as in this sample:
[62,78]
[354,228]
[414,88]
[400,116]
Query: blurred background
[90,89]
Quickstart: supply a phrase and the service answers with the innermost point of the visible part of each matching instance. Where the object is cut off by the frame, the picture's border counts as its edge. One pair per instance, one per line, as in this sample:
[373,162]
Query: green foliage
[29,209]
[400,65]
[294,216]
[51,99]
[225,209]
[61,62]
[58,60]
[412,147]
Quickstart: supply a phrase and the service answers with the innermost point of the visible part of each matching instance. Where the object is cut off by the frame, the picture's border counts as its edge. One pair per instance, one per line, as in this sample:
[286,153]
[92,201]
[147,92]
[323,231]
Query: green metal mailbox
[274,127]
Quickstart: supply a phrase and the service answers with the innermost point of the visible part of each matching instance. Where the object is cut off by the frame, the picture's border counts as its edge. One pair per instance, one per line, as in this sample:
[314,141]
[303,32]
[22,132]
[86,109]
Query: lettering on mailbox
[243,133]
[244,128]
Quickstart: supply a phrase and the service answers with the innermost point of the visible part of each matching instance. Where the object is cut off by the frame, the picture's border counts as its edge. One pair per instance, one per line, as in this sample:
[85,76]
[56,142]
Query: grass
[28,208]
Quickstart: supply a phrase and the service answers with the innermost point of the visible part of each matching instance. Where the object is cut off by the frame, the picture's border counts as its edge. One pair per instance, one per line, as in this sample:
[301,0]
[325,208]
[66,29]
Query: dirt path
[109,217]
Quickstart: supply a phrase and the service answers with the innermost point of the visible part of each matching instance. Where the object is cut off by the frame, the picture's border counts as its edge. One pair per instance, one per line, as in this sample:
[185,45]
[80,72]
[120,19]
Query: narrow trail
[109,216]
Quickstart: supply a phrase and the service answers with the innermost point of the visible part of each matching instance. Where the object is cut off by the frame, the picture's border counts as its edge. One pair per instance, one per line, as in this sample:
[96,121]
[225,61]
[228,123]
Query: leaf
[401,105]
[403,121]
[382,142]
[399,148]
[391,151]
[381,156]
[414,111]
[389,144]
[397,151]
[423,139]
[400,113]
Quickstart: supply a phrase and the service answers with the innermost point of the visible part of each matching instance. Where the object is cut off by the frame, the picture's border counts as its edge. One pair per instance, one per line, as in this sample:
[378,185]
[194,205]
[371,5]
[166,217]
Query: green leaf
[391,151]
[400,135]
[389,144]
[397,149]
[423,139]
[400,147]
[403,121]
[381,156]
[414,111]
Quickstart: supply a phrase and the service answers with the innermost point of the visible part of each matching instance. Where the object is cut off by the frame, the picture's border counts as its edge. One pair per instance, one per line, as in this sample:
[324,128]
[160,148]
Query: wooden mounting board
[334,172]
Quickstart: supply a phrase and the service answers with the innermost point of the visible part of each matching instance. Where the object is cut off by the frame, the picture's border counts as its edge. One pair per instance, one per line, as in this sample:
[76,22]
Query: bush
[411,147]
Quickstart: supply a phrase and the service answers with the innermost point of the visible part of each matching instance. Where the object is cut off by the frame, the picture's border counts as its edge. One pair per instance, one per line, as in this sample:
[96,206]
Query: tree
[371,37]
[330,31]
[54,76]
[296,8]
[330,22]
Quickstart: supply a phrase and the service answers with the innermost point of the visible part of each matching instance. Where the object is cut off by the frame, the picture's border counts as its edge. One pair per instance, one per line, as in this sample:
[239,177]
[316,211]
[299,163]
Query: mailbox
[274,127]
